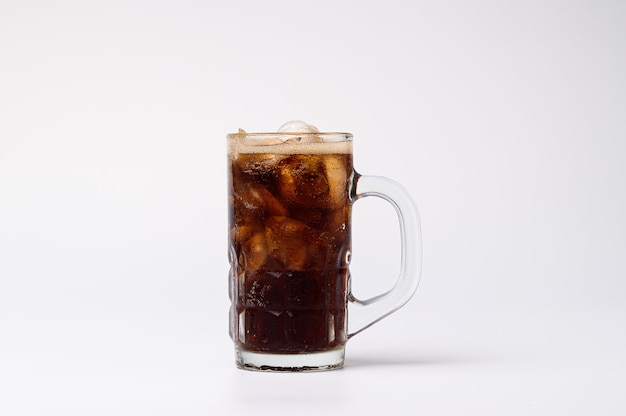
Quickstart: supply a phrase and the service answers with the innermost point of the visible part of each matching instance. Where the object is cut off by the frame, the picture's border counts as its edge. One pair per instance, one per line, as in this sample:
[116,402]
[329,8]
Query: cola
[289,245]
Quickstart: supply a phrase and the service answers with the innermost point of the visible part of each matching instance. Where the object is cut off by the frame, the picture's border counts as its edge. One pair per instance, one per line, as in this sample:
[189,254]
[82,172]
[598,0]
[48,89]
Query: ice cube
[256,139]
[272,205]
[287,186]
[241,233]
[247,198]
[302,181]
[302,132]
[258,164]
[337,178]
[255,197]
[287,242]
[297,126]
[254,252]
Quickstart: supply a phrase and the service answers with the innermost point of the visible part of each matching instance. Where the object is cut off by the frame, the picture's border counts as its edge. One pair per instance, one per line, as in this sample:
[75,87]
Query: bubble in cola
[290,240]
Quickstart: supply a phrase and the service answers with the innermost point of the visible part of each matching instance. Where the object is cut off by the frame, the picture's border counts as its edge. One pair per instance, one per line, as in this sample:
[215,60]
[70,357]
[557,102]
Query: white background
[505,120]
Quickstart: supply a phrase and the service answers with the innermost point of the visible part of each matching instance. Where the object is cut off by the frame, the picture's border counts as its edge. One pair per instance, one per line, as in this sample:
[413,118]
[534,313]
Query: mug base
[315,361]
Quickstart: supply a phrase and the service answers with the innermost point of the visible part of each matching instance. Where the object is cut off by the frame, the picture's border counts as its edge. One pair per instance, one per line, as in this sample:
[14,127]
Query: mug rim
[282,137]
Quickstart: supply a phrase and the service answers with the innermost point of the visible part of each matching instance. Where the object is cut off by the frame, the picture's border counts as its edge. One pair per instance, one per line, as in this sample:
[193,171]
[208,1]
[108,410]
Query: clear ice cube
[337,177]
[287,242]
[297,126]
[302,132]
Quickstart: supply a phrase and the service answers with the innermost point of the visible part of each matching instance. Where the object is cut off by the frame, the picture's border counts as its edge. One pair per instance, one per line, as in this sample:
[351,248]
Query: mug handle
[364,313]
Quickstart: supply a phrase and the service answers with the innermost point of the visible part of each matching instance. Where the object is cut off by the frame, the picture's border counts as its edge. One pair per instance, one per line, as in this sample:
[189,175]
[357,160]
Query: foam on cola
[290,239]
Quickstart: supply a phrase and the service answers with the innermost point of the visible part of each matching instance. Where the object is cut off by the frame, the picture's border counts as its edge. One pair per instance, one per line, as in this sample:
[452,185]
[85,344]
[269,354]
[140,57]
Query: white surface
[505,120]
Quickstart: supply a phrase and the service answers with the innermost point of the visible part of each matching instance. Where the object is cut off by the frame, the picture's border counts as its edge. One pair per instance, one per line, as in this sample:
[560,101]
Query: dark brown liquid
[290,248]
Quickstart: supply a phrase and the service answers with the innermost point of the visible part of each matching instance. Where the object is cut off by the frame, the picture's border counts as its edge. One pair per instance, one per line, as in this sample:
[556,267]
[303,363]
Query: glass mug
[290,201]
